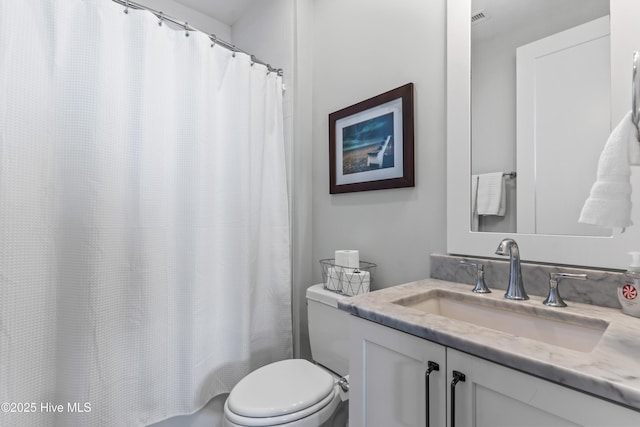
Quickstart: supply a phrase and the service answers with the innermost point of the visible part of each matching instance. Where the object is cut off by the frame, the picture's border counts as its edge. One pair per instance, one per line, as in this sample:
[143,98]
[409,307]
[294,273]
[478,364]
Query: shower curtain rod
[214,40]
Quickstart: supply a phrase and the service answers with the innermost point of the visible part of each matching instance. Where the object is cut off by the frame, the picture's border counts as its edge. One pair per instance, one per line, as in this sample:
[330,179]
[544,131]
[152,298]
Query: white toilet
[295,392]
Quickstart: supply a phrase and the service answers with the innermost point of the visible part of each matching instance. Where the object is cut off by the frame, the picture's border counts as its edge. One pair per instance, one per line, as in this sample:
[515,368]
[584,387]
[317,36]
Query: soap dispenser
[628,292]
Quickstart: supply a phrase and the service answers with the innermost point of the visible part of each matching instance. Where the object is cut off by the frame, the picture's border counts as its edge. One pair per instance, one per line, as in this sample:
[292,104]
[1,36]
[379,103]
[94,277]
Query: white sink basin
[551,326]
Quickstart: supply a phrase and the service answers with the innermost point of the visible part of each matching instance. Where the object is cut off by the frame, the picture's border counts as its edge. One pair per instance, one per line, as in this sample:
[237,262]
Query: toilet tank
[328,329]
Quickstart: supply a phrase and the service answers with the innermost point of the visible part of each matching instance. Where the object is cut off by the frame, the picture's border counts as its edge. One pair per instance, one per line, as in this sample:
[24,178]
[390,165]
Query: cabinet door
[495,396]
[387,374]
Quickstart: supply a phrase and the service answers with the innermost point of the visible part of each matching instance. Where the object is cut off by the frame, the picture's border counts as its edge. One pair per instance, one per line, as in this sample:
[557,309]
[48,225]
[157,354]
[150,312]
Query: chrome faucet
[516,287]
[554,299]
[481,286]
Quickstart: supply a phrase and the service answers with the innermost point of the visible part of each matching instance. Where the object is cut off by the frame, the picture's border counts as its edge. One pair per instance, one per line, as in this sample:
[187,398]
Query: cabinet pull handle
[431,366]
[457,377]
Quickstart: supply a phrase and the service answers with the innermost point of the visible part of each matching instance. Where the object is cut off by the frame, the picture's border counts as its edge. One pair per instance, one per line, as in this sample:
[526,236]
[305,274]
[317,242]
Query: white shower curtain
[144,229]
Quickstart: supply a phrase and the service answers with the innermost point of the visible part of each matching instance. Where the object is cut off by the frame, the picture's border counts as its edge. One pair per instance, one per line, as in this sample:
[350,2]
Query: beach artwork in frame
[371,143]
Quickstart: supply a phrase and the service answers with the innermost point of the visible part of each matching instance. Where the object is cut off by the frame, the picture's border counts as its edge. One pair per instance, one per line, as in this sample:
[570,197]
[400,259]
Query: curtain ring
[213,39]
[234,49]
[186,29]
[126,7]
[160,19]
[253,60]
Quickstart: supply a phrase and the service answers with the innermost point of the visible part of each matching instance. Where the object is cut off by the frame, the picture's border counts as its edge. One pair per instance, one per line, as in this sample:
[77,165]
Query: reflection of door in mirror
[544,195]
[563,118]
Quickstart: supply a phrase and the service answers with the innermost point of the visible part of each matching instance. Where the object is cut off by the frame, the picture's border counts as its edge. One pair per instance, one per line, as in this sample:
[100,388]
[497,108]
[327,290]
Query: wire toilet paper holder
[347,280]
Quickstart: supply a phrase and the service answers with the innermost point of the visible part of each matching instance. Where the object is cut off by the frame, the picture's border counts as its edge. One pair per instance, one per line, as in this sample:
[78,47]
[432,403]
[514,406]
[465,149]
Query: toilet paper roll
[334,279]
[348,258]
[355,282]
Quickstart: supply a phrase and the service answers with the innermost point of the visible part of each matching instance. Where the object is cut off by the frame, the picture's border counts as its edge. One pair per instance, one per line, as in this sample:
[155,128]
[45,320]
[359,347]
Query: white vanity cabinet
[493,395]
[389,388]
[387,377]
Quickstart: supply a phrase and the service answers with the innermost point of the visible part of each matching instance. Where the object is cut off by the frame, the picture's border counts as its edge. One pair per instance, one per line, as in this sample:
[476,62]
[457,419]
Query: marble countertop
[611,370]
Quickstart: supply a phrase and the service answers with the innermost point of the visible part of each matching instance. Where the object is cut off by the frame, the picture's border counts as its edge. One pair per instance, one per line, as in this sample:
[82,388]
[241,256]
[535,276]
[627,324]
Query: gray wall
[363,48]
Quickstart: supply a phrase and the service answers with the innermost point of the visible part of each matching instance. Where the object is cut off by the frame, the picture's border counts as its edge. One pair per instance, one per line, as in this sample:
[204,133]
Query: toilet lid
[280,388]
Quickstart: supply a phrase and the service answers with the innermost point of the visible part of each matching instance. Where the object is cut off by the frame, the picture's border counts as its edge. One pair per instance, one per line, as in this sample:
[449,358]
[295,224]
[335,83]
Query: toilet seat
[281,392]
[331,400]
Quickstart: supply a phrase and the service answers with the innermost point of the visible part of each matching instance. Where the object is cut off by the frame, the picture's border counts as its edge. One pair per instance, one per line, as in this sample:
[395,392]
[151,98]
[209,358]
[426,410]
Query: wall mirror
[534,88]
[525,55]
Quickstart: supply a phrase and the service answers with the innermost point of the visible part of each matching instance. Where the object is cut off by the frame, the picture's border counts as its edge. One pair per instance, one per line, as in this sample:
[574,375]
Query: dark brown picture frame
[371,143]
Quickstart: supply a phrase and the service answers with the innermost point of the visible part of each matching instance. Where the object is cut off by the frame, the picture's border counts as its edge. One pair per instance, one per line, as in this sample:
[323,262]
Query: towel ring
[635,93]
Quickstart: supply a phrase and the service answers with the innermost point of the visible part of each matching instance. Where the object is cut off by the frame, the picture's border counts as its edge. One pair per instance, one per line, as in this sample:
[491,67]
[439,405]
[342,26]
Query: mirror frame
[593,251]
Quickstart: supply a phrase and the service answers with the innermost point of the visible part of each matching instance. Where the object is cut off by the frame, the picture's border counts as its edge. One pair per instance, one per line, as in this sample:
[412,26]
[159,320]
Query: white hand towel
[634,143]
[609,203]
[491,198]
[475,219]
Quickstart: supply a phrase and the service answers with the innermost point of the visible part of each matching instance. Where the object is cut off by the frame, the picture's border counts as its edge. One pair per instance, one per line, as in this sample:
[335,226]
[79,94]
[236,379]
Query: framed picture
[371,143]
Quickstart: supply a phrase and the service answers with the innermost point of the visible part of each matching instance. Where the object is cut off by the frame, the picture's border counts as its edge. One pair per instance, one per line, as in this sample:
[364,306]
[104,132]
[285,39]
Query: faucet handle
[554,299]
[481,286]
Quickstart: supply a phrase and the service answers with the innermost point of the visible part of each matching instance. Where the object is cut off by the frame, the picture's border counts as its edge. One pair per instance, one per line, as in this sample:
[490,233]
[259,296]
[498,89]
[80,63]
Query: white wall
[363,48]
[193,17]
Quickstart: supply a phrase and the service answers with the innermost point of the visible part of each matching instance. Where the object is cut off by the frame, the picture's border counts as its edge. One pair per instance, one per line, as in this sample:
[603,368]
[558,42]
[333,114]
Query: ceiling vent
[478,17]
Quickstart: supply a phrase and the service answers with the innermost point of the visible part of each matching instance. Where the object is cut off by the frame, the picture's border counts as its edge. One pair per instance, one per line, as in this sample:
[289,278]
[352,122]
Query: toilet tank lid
[280,388]
[320,294]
